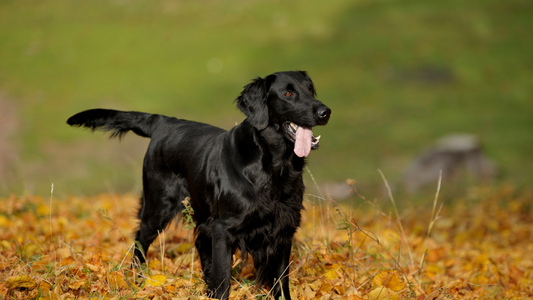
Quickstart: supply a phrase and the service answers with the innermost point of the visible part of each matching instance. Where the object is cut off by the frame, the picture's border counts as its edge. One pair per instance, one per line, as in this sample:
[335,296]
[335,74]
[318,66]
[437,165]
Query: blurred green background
[396,74]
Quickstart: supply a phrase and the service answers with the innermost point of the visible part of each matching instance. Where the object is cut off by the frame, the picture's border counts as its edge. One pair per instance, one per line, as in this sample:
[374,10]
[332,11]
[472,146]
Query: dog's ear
[304,73]
[253,101]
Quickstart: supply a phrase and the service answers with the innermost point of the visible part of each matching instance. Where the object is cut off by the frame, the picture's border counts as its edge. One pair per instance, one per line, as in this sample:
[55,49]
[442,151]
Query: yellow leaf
[331,275]
[5,244]
[482,259]
[43,210]
[480,279]
[154,264]
[4,222]
[54,296]
[30,250]
[20,281]
[433,269]
[382,293]
[325,287]
[183,248]
[389,279]
[155,280]
[62,221]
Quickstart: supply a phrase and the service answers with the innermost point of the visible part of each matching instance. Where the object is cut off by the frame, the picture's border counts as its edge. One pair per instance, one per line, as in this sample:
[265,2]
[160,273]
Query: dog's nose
[323,113]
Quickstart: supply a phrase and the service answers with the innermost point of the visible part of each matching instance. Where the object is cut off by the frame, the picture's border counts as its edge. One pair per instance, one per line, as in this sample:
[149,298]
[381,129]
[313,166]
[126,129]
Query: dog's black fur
[245,184]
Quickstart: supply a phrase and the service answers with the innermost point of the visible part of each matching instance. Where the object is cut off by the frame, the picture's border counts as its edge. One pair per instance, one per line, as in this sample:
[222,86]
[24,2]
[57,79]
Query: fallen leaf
[382,293]
[314,285]
[117,280]
[183,248]
[247,271]
[309,293]
[5,244]
[331,275]
[76,285]
[4,222]
[29,250]
[389,279]
[20,281]
[154,264]
[155,280]
[44,286]
[325,287]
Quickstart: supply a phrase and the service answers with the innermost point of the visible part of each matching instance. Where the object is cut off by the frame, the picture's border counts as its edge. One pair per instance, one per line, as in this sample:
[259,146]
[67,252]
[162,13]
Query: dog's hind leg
[160,203]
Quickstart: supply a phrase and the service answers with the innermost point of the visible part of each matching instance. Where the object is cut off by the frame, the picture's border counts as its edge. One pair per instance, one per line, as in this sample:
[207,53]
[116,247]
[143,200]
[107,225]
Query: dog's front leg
[281,285]
[219,283]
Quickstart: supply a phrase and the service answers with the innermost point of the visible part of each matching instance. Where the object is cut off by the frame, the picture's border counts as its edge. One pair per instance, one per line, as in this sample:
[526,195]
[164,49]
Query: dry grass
[80,247]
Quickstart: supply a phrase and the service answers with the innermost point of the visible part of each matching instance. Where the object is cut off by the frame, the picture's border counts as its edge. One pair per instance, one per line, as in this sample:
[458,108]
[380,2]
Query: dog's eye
[288,94]
[311,90]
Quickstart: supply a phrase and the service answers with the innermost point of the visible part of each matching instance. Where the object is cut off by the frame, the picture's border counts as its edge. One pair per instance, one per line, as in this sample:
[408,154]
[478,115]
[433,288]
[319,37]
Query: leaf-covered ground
[479,247]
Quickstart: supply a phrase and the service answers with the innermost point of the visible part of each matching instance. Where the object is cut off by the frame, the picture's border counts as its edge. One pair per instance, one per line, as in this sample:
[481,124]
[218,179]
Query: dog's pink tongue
[302,145]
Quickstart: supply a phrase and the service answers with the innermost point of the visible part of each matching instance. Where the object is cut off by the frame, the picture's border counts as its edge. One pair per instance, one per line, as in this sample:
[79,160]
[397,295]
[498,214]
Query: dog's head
[285,101]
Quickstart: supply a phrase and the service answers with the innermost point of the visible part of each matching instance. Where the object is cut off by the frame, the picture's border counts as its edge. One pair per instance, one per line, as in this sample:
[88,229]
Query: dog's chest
[270,222]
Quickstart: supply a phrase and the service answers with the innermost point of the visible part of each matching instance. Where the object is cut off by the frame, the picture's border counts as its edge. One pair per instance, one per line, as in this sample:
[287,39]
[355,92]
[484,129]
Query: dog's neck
[277,151]
[270,144]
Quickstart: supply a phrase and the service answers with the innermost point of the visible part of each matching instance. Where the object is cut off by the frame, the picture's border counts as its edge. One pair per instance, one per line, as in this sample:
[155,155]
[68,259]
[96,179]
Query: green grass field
[396,74]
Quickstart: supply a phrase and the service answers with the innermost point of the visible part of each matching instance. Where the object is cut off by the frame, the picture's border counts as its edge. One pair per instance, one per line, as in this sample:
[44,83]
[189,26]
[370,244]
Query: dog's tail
[118,122]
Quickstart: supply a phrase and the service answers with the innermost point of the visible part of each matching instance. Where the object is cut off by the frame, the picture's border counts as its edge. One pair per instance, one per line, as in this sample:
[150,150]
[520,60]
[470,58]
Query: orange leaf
[4,265]
[44,286]
[117,280]
[170,289]
[352,297]
[339,288]
[325,287]
[67,261]
[247,271]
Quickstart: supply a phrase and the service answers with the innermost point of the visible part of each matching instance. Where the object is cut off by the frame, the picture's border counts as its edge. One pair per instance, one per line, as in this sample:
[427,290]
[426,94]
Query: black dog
[245,184]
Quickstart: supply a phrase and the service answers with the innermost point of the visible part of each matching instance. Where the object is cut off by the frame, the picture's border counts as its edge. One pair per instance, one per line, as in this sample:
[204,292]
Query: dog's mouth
[303,138]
